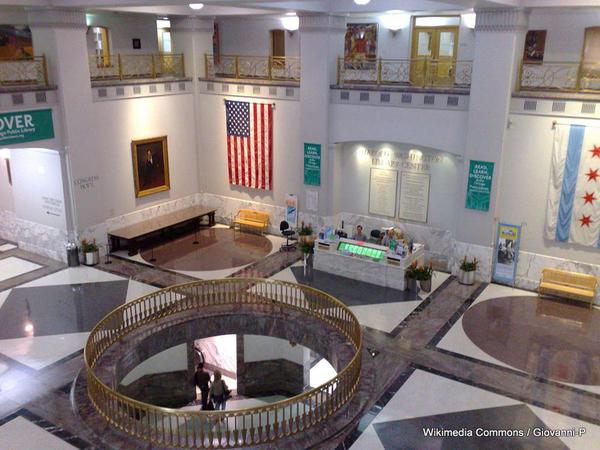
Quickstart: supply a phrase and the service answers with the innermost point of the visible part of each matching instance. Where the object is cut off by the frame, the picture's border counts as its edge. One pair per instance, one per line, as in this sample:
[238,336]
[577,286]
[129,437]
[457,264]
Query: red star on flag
[589,198]
[592,175]
[595,152]
[585,220]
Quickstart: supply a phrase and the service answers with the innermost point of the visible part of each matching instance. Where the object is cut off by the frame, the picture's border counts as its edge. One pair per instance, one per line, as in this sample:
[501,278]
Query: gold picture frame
[150,165]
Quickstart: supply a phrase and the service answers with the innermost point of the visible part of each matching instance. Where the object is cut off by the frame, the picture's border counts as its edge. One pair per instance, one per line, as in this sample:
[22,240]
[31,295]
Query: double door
[433,56]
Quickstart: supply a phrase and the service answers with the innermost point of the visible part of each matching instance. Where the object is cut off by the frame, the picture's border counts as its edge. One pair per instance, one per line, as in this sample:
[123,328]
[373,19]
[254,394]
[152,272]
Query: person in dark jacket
[202,380]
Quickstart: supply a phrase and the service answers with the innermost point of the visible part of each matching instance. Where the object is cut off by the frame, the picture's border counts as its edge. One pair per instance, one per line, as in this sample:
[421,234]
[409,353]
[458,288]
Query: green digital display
[361,250]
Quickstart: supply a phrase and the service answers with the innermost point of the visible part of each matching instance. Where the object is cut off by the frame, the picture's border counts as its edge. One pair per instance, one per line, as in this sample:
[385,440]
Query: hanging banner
[26,126]
[291,209]
[479,185]
[507,253]
[312,164]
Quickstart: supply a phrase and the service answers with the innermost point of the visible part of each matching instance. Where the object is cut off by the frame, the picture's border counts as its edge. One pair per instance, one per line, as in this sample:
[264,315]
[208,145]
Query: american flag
[250,144]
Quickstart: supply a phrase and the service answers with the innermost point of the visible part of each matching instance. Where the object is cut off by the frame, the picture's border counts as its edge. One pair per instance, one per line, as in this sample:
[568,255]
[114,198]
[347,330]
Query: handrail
[559,76]
[282,68]
[26,71]
[122,66]
[221,429]
[422,72]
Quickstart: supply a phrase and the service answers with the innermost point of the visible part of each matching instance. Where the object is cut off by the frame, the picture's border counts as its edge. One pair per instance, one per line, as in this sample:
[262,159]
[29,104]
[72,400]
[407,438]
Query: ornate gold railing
[230,428]
[122,67]
[409,72]
[24,71]
[559,76]
[282,68]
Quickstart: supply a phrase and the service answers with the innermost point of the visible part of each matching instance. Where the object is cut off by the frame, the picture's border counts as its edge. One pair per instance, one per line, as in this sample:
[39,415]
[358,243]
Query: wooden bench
[572,285]
[132,235]
[252,219]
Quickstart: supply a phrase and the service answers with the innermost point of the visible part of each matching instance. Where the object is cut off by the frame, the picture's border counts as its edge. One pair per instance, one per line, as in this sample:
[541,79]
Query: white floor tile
[7,247]
[368,440]
[426,394]
[74,275]
[12,267]
[384,316]
[555,421]
[39,352]
[135,289]
[21,434]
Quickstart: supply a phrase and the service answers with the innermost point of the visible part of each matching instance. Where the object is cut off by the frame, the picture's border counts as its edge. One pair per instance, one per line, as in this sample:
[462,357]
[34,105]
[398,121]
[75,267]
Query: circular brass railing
[230,428]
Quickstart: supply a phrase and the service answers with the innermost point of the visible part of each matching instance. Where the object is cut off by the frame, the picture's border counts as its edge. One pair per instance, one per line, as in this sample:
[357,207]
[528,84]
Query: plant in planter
[305,232]
[411,277]
[466,274]
[91,255]
[424,275]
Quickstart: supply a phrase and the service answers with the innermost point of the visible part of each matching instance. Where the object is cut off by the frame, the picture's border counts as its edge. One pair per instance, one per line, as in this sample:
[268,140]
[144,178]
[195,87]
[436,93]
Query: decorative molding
[322,22]
[56,18]
[501,20]
[193,23]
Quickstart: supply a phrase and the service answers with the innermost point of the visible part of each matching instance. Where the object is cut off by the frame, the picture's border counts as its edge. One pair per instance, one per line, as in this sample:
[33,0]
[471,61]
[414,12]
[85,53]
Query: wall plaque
[382,192]
[414,196]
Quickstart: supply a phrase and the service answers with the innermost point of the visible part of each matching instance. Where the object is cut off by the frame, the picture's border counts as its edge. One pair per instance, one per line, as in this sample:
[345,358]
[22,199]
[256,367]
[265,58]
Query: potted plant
[91,255]
[308,248]
[305,233]
[466,274]
[424,275]
[411,277]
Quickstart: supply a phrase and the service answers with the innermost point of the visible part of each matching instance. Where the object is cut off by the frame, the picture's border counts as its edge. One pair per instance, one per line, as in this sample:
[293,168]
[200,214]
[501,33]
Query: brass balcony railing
[281,68]
[559,77]
[123,67]
[165,427]
[422,72]
[30,71]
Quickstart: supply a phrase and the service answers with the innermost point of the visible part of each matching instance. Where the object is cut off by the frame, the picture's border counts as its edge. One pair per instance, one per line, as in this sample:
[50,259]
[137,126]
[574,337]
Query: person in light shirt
[359,235]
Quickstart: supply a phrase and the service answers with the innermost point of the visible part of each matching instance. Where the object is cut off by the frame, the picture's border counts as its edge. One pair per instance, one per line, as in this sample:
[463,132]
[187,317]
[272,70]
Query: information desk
[366,262]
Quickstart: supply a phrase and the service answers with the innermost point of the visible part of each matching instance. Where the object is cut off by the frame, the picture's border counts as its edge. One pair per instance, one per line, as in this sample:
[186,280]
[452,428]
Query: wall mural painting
[360,45]
[150,166]
[15,42]
[535,43]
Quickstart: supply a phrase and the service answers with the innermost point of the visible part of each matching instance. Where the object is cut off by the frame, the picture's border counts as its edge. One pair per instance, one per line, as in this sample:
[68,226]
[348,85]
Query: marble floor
[431,369]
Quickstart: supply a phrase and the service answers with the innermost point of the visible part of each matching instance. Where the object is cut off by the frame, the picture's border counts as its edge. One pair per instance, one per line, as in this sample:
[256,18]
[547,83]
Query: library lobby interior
[299,224]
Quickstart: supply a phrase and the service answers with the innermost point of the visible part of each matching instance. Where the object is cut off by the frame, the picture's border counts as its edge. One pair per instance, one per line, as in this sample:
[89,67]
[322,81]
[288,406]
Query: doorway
[433,53]
[590,70]
[278,49]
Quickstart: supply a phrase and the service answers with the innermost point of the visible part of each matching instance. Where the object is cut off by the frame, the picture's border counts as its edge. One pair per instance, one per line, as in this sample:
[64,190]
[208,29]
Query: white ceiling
[245,7]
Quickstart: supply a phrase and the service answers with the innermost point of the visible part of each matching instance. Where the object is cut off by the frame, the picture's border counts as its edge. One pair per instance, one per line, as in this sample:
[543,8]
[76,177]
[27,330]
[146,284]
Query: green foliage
[469,266]
[89,246]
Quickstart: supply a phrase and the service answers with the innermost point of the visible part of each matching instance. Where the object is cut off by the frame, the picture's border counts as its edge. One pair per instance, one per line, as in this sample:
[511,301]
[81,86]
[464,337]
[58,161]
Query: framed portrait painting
[150,165]
[360,45]
[535,45]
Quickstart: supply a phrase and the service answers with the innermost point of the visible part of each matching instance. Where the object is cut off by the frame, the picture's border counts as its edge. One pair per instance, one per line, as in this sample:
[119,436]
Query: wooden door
[590,69]
[433,55]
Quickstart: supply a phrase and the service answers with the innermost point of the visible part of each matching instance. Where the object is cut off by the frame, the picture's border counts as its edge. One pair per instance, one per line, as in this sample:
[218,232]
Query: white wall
[265,348]
[122,28]
[250,36]
[12,16]
[566,28]
[434,128]
[171,360]
[107,154]
[38,187]
[287,151]
[351,184]
[523,189]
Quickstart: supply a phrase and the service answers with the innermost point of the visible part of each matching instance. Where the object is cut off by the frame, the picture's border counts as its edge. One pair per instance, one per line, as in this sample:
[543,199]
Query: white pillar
[193,36]
[59,34]
[321,42]
[497,34]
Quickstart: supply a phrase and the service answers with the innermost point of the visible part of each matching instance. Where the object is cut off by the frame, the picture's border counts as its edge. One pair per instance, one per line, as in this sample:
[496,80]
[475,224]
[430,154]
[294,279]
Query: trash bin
[72,254]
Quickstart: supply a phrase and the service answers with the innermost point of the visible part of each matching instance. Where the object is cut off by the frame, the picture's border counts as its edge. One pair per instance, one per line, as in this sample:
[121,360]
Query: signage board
[312,164]
[26,126]
[479,185]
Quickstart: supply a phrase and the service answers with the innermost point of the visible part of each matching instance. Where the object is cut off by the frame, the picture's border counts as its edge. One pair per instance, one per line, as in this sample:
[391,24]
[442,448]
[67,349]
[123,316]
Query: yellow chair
[571,285]
[251,218]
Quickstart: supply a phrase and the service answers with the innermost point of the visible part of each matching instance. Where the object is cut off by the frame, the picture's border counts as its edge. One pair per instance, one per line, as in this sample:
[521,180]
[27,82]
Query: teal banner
[479,185]
[312,164]
[26,126]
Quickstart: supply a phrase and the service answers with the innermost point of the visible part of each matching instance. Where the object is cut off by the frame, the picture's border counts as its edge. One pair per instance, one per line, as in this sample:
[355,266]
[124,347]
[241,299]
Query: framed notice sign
[506,254]
[382,192]
[479,185]
[312,164]
[414,196]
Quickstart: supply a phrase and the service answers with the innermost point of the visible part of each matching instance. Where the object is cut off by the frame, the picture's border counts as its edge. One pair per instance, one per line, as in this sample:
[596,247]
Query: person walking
[219,392]
[202,380]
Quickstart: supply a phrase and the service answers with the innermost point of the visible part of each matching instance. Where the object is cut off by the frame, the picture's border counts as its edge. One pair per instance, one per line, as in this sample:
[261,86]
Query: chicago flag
[573,213]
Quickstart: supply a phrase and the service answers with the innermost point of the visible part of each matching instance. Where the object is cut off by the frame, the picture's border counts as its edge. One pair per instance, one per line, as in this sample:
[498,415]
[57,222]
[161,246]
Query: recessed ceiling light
[196,5]
[361,2]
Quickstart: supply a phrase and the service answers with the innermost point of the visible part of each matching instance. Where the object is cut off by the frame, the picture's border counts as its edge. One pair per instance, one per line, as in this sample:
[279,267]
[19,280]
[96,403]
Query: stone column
[193,36]
[498,33]
[59,34]
[321,43]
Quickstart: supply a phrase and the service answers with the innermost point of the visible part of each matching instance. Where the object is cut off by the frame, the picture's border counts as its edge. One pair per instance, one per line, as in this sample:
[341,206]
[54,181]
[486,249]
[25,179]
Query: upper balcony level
[29,73]
[559,79]
[111,69]
[255,68]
